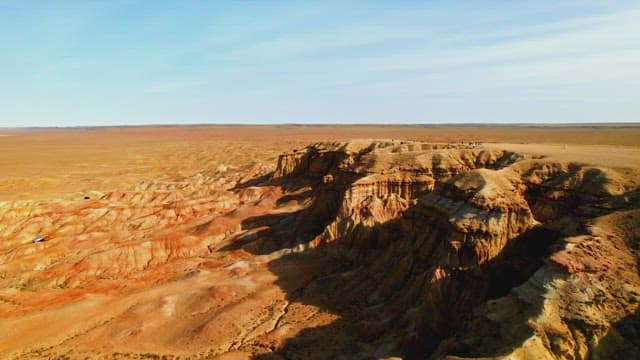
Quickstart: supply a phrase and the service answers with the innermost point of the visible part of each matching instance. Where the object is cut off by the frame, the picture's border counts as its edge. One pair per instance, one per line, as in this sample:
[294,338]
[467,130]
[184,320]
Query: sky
[95,63]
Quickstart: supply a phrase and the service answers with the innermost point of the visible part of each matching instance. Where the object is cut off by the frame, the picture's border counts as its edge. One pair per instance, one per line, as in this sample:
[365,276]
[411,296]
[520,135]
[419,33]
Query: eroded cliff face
[433,232]
[361,249]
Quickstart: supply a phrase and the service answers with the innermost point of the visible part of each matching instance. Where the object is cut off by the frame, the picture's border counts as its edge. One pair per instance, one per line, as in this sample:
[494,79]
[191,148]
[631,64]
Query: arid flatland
[38,164]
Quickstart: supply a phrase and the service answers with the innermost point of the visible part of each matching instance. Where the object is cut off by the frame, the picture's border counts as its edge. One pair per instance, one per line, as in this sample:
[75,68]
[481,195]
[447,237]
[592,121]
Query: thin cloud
[340,38]
[610,35]
[562,26]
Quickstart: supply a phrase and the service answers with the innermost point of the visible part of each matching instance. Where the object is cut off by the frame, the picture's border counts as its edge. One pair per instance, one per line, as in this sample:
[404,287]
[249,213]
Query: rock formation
[432,229]
[362,249]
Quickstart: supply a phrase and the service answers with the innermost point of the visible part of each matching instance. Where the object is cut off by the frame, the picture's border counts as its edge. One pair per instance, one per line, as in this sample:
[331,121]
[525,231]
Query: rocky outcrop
[356,172]
[430,228]
[407,186]
[383,157]
[582,303]
[484,210]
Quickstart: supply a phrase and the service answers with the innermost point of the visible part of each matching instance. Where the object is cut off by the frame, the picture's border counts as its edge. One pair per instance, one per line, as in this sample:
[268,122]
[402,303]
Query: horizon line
[342,124]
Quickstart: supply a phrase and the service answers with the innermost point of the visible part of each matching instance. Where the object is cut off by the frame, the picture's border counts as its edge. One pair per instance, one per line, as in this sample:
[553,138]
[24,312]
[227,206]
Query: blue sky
[76,63]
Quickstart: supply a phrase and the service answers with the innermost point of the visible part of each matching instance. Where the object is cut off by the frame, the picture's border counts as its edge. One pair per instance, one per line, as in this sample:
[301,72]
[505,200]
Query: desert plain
[320,242]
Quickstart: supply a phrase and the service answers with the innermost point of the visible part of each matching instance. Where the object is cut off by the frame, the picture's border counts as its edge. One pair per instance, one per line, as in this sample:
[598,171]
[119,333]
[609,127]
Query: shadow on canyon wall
[375,313]
[376,279]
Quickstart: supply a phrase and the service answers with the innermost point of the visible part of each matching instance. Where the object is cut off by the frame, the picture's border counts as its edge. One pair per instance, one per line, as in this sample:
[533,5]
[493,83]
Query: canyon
[349,248]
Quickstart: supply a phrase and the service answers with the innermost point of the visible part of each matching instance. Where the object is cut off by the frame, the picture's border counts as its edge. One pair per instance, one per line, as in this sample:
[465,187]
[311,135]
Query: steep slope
[433,233]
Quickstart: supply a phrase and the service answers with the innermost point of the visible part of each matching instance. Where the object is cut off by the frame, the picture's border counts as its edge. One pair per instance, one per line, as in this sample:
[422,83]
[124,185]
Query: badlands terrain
[320,242]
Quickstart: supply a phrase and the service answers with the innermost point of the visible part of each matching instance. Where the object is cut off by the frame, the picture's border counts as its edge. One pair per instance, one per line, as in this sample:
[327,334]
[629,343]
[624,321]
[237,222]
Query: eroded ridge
[360,249]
